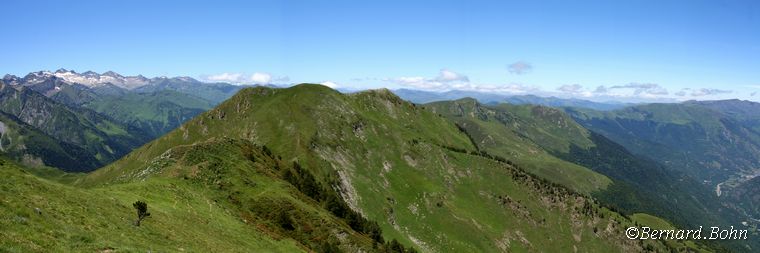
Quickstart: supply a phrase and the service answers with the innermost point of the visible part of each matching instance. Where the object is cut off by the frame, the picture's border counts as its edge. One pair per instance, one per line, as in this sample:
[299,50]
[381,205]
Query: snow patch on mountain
[92,79]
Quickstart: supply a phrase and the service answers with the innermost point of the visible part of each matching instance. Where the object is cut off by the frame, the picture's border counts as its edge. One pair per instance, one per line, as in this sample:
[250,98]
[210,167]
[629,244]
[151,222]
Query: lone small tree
[142,211]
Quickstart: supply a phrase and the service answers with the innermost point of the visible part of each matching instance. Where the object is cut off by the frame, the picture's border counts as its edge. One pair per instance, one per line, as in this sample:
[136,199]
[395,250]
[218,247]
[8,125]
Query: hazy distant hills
[422,97]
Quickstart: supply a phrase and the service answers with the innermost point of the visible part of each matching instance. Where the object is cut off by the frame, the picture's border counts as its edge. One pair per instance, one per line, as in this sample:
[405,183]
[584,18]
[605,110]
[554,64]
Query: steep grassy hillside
[221,195]
[655,222]
[154,113]
[103,139]
[640,185]
[38,215]
[521,133]
[407,168]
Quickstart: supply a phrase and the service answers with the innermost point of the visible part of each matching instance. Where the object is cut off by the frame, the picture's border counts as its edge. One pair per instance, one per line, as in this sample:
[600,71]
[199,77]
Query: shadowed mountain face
[746,197]
[714,141]
[717,142]
[412,171]
[33,147]
[97,140]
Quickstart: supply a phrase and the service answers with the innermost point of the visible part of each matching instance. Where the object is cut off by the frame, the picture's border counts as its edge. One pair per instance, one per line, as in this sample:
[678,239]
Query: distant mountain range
[72,87]
[93,119]
[422,97]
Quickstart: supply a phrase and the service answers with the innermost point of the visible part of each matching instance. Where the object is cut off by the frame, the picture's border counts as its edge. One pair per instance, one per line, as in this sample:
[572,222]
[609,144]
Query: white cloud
[450,80]
[645,89]
[450,76]
[510,88]
[701,92]
[520,67]
[330,84]
[576,90]
[261,78]
[445,80]
[225,77]
[240,78]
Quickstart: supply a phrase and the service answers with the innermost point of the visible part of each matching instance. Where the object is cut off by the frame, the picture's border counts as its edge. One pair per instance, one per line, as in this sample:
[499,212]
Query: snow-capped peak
[93,79]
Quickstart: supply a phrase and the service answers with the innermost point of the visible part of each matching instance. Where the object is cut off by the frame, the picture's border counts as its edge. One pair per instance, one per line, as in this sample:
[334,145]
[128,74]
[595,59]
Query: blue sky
[599,50]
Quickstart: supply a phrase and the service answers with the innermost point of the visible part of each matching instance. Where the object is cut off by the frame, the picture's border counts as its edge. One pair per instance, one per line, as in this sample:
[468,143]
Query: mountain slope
[30,146]
[746,197]
[693,138]
[103,139]
[184,217]
[514,133]
[402,166]
[547,133]
[154,113]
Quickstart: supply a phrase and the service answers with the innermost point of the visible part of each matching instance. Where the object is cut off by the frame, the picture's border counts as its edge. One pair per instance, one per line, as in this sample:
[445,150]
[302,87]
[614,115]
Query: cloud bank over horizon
[448,80]
[259,78]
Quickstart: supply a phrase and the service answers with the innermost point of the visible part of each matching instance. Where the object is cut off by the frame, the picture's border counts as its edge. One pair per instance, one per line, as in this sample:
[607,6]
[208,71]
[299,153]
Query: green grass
[155,113]
[651,221]
[183,218]
[524,134]
[655,222]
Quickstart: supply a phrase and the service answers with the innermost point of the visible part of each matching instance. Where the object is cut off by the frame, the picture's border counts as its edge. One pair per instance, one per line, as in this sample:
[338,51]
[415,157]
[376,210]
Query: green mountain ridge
[512,132]
[405,167]
[307,168]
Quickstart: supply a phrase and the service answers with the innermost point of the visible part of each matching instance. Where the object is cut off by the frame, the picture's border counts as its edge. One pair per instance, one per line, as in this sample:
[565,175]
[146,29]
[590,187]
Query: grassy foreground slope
[405,167]
[184,218]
